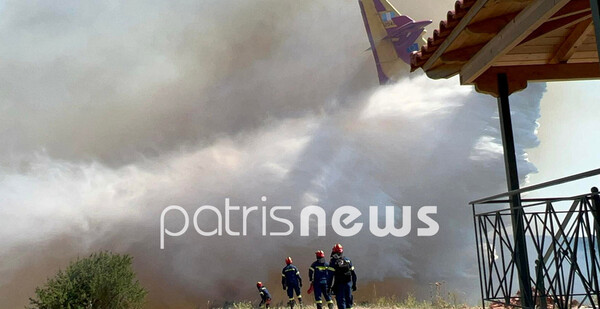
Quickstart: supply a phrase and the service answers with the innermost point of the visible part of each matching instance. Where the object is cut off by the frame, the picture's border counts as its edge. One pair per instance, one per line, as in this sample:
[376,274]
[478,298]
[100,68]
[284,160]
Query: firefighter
[318,274]
[265,296]
[342,278]
[291,281]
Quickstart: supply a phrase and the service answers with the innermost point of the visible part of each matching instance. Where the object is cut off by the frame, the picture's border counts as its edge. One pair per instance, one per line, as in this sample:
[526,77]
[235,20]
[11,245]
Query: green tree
[103,280]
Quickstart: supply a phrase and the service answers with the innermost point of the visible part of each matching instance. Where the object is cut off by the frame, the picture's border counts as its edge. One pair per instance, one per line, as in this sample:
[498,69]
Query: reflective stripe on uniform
[322,268]
[319,302]
[283,275]
[331,268]
[351,268]
[312,268]
[330,301]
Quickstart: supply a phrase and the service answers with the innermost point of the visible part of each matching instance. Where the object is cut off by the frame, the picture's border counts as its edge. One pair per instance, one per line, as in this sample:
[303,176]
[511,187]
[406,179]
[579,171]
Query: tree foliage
[103,280]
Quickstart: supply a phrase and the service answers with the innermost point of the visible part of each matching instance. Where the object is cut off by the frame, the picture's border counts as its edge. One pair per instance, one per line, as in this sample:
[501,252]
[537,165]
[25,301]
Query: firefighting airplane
[393,37]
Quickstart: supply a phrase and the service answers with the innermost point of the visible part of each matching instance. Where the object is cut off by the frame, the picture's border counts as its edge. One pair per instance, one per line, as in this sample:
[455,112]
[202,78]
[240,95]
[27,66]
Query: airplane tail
[393,37]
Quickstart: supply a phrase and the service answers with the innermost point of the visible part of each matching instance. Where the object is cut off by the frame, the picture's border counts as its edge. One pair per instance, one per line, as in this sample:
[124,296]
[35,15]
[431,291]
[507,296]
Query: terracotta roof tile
[461,7]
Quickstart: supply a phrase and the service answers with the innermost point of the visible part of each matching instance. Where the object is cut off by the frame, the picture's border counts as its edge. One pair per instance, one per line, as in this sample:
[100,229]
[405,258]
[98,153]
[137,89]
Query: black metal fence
[562,239]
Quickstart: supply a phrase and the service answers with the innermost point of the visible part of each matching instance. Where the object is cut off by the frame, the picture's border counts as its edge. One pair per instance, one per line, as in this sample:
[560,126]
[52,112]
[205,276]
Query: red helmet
[320,254]
[337,248]
[259,284]
[288,260]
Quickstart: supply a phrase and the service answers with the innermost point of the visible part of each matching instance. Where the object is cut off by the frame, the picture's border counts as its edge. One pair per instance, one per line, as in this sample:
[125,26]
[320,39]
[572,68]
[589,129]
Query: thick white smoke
[418,142]
[131,110]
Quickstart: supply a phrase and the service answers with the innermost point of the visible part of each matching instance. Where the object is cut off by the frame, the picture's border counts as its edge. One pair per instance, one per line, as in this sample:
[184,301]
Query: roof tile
[461,7]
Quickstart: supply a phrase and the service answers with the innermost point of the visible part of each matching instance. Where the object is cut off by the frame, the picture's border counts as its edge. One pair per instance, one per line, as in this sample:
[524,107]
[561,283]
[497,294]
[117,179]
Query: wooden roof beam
[552,72]
[454,34]
[518,76]
[491,25]
[511,35]
[556,24]
[572,8]
[573,41]
[461,55]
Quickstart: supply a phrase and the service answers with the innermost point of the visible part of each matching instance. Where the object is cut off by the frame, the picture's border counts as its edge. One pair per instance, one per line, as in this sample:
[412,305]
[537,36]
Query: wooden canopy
[529,40]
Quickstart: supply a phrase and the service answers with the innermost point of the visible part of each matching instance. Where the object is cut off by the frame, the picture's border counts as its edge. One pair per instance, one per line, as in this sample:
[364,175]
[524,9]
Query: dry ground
[381,303]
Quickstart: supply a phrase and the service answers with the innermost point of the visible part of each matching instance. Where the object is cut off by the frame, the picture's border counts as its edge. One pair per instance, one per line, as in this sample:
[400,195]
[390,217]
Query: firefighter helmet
[320,254]
[337,248]
[259,284]
[288,260]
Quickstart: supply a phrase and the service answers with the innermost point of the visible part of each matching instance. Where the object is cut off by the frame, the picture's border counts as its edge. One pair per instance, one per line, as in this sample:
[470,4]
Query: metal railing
[562,239]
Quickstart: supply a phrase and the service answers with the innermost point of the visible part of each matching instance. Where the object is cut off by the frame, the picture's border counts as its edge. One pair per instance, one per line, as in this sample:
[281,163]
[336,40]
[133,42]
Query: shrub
[103,280]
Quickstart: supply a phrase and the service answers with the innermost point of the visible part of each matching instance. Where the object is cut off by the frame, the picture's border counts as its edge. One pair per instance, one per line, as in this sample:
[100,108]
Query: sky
[110,111]
[568,133]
